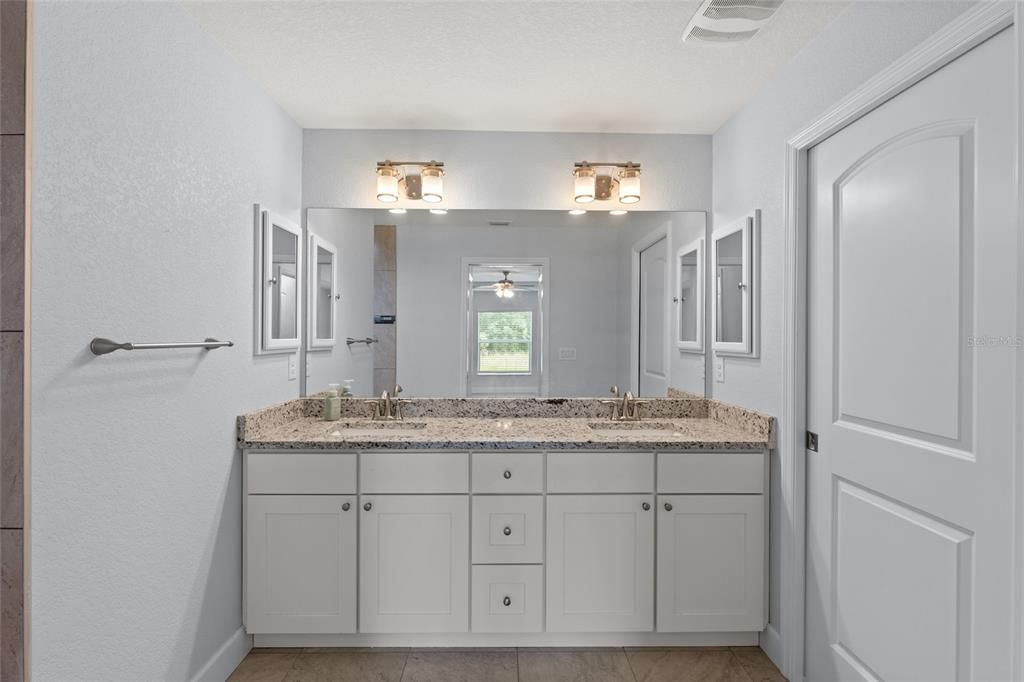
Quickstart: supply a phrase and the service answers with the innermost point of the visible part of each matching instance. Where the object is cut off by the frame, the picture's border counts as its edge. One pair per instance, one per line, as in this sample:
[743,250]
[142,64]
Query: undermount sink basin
[635,429]
[632,426]
[367,427]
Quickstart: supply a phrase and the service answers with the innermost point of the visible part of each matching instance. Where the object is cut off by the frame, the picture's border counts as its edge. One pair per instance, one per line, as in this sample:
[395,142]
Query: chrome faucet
[388,407]
[626,409]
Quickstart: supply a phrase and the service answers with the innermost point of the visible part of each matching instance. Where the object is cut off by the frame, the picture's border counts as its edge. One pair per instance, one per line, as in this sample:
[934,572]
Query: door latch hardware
[812,441]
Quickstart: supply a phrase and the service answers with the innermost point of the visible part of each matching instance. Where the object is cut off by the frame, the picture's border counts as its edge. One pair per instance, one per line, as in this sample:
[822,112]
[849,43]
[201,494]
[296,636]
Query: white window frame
[265,343]
[540,326]
[316,242]
[697,346]
[749,262]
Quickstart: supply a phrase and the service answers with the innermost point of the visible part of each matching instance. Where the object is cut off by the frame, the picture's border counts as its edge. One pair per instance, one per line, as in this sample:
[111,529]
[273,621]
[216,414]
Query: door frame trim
[663,231]
[967,31]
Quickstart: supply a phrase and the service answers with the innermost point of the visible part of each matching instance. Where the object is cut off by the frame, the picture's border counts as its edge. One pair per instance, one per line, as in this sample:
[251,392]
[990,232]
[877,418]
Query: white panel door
[414,563]
[913,257]
[600,571]
[300,558]
[653,330]
[711,563]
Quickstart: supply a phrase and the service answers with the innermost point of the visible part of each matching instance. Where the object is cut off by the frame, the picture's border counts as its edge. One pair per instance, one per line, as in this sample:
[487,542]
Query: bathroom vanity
[519,522]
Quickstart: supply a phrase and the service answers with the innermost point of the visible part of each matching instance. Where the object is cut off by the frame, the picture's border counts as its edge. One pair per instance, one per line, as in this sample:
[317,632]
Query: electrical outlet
[566,353]
[720,369]
[293,367]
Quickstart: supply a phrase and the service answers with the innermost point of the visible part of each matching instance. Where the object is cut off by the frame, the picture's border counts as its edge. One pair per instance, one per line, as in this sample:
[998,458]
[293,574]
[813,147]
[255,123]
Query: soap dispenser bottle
[332,404]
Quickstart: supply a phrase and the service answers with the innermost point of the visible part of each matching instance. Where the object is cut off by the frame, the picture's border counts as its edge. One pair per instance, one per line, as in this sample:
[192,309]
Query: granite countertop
[701,425]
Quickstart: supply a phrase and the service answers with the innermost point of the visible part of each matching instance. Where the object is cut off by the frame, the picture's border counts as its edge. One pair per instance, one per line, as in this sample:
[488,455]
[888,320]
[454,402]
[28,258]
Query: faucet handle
[615,391]
[398,389]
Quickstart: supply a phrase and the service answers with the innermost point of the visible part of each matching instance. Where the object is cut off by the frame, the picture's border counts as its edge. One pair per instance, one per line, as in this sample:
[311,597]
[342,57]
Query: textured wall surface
[493,171]
[750,171]
[151,147]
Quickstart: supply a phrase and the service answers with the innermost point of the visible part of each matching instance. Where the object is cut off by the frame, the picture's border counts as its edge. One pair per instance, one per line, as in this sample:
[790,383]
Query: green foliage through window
[504,342]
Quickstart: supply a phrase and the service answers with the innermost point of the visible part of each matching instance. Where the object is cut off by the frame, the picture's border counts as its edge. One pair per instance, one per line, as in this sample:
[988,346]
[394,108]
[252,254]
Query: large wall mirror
[506,303]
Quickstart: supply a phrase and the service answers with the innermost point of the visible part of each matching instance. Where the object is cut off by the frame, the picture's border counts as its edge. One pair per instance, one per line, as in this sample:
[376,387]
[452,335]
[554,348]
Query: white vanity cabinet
[711,542]
[513,548]
[300,543]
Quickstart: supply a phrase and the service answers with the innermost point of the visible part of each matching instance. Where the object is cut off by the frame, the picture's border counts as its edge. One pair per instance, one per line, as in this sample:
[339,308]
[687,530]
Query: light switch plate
[720,369]
[566,353]
[293,366]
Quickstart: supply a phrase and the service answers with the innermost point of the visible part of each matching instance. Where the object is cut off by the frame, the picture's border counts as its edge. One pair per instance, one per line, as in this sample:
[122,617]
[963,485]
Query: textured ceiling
[585,66]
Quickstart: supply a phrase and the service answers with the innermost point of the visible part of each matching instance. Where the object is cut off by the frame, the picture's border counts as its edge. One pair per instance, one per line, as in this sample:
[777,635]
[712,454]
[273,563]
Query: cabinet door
[711,563]
[300,554]
[414,563]
[600,571]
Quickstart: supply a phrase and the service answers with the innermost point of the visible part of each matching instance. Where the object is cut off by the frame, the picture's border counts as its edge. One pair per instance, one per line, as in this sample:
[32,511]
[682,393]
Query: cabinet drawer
[508,530]
[414,472]
[300,473]
[507,598]
[600,472]
[508,472]
[711,472]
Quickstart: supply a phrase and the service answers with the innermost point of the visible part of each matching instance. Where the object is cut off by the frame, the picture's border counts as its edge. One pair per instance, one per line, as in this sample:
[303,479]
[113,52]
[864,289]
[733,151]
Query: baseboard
[546,639]
[771,642]
[226,658]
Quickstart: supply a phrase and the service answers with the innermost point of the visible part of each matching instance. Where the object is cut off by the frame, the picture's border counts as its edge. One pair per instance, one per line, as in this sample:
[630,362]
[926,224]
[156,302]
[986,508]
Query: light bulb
[433,184]
[584,185]
[387,184]
[629,186]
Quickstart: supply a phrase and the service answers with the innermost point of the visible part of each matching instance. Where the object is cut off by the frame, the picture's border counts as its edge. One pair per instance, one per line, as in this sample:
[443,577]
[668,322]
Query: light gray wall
[150,148]
[503,170]
[749,173]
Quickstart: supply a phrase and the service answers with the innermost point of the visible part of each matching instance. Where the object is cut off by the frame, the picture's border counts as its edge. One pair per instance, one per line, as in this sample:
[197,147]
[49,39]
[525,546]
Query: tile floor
[736,664]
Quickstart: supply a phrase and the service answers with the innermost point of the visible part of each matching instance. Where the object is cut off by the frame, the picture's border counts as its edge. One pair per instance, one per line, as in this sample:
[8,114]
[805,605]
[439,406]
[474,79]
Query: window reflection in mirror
[284,289]
[729,298]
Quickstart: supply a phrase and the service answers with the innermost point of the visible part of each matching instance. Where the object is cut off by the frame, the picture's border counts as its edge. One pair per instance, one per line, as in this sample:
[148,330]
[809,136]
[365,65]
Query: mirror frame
[750,263]
[316,242]
[265,343]
[683,345]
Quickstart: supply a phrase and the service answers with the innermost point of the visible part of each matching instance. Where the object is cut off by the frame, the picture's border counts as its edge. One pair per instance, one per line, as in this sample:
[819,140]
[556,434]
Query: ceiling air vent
[723,22]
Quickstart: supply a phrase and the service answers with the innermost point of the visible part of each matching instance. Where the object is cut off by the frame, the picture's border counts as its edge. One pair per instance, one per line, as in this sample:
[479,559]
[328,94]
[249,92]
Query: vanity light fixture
[439,211]
[576,211]
[599,181]
[397,211]
[618,211]
[505,288]
[413,180]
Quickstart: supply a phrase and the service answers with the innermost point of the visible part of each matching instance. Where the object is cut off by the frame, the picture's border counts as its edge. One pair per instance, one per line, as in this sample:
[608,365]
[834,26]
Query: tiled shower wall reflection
[12,337]
[385,302]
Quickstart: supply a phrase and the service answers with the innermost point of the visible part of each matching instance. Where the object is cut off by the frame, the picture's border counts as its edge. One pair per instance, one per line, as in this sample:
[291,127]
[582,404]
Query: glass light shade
[396,211]
[387,184]
[439,211]
[576,211]
[629,186]
[584,185]
[505,293]
[433,184]
[618,211]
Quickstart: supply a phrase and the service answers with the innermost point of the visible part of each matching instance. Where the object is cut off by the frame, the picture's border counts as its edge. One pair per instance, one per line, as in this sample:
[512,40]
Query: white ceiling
[585,66]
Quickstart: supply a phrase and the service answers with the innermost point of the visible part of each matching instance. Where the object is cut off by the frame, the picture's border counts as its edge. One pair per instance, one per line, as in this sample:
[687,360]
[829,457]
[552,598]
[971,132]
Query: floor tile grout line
[630,665]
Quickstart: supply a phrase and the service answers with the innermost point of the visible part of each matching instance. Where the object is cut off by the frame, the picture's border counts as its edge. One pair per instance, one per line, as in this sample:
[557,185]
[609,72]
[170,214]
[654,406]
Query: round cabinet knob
[507,474]
[668,506]
[367,507]
[507,601]
[646,506]
[507,531]
[346,506]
